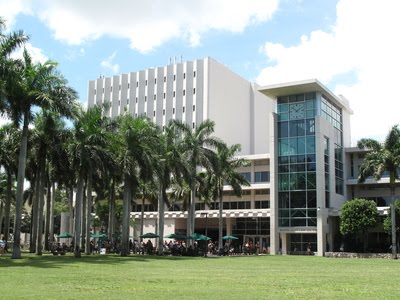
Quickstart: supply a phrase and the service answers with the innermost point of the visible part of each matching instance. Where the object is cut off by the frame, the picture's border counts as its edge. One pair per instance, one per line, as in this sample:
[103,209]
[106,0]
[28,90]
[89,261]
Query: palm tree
[146,190]
[8,43]
[171,164]
[88,152]
[9,137]
[197,147]
[225,172]
[138,140]
[381,158]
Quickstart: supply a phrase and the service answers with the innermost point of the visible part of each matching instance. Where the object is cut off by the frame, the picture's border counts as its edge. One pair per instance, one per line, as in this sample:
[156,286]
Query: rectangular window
[136,99]
[184,92]
[163,112]
[154,113]
[174,77]
[173,110]
[194,91]
[194,125]
[261,176]
[194,107]
[137,83]
[127,101]
[146,82]
[165,78]
[145,98]
[183,109]
[174,94]
[111,89]
[95,91]
[246,175]
[155,97]
[194,73]
[119,87]
[184,75]
[128,85]
[155,80]
[164,95]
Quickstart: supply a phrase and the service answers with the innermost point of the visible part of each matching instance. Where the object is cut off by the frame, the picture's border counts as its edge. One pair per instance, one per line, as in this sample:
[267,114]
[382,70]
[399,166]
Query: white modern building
[295,135]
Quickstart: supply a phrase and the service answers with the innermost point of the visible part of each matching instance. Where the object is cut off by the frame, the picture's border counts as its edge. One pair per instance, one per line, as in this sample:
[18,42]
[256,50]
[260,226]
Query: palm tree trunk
[47,219]
[1,215]
[20,189]
[111,214]
[126,216]
[161,220]
[83,223]
[78,216]
[220,221]
[70,196]
[51,218]
[42,180]
[88,212]
[7,206]
[35,212]
[142,216]
[393,220]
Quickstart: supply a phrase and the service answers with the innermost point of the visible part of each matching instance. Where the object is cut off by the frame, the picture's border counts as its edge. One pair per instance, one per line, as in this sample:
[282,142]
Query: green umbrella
[149,236]
[176,236]
[198,237]
[98,236]
[230,237]
[65,235]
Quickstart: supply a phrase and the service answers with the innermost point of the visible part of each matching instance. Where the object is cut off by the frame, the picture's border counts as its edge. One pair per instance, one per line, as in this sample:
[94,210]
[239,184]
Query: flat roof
[304,86]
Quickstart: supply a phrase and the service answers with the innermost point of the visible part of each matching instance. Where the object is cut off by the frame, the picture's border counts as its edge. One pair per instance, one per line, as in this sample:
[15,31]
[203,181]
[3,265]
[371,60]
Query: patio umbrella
[176,236]
[198,237]
[230,237]
[98,236]
[149,236]
[65,235]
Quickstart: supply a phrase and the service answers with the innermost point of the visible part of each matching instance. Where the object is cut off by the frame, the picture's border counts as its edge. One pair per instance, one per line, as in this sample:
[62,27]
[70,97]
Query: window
[119,87]
[137,83]
[136,99]
[155,97]
[173,110]
[155,80]
[194,73]
[194,107]
[174,94]
[163,112]
[183,109]
[194,125]
[194,91]
[128,85]
[165,78]
[145,98]
[261,176]
[246,175]
[154,113]
[184,92]
[127,101]
[184,75]
[95,91]
[174,77]
[111,89]
[164,95]
[146,82]
[119,102]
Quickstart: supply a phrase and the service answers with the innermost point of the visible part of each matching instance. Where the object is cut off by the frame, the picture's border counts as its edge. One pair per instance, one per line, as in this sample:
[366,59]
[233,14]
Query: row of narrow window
[155,81]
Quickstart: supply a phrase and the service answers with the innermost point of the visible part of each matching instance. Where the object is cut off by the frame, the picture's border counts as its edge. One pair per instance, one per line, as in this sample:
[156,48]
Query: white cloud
[363,42]
[147,24]
[10,9]
[36,53]
[108,63]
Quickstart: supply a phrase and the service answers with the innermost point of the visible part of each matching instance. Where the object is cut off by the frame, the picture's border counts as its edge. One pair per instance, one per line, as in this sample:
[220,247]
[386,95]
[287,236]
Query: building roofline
[303,86]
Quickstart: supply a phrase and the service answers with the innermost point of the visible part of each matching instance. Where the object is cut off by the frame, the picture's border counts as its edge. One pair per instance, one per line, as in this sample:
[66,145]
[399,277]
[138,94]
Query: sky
[351,46]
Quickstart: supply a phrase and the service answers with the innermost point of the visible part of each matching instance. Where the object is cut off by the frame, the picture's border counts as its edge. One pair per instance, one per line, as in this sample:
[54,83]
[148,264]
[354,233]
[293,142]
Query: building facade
[296,136]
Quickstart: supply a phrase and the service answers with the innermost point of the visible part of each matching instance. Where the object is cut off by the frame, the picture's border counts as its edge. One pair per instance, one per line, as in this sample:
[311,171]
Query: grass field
[244,277]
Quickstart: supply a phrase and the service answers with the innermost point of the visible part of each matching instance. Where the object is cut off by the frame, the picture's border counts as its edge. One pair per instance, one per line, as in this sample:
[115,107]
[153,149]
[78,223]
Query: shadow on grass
[51,261]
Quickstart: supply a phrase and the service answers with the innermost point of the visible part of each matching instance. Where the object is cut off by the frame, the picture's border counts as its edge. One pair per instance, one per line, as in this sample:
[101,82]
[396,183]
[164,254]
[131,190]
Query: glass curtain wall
[297,204]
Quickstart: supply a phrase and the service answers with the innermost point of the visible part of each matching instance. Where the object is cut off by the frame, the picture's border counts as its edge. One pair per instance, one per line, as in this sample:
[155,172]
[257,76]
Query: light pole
[206,242]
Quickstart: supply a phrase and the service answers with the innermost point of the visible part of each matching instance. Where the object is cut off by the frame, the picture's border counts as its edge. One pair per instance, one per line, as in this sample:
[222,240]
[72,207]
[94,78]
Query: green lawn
[146,277]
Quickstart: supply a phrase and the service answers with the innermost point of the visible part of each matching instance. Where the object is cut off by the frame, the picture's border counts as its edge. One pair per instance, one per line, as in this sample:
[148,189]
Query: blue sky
[352,46]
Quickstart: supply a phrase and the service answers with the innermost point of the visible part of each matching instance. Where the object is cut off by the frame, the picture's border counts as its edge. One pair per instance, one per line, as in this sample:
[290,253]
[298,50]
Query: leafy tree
[357,216]
[381,158]
[387,221]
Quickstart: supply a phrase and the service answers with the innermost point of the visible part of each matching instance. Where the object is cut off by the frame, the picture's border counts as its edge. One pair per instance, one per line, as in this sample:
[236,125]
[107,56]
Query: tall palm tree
[88,152]
[197,147]
[9,137]
[138,141]
[381,158]
[171,164]
[8,43]
[225,172]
